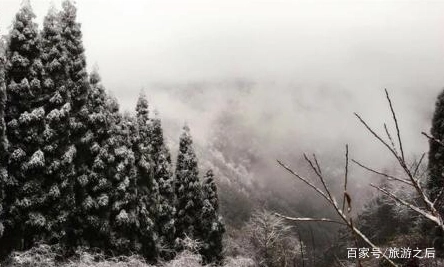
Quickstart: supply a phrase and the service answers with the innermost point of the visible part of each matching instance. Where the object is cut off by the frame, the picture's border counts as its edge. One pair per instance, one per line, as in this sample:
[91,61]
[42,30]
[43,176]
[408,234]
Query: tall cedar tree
[3,141]
[132,227]
[148,190]
[94,185]
[212,225]
[435,182]
[436,153]
[58,148]
[24,118]
[188,189]
[78,88]
[163,179]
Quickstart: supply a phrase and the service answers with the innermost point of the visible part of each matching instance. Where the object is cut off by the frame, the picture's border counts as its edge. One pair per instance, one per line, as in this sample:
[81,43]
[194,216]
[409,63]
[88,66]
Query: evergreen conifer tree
[66,84]
[24,118]
[212,225]
[58,147]
[75,65]
[188,189]
[94,185]
[148,190]
[142,146]
[3,142]
[163,179]
[132,226]
[435,181]
[77,86]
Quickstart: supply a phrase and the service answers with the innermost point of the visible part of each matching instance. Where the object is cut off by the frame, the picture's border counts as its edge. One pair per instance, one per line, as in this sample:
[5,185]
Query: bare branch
[377,136]
[348,223]
[306,219]
[317,163]
[433,138]
[390,177]
[398,133]
[319,174]
[429,216]
[319,191]
[428,204]
[415,172]
[389,136]
[345,178]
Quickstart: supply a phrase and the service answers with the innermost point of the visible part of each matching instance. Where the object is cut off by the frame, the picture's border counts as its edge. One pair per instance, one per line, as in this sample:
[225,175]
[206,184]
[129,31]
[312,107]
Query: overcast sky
[312,63]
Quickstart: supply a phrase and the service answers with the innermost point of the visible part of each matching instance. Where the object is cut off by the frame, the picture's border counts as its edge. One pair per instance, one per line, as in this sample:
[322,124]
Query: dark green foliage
[58,146]
[75,67]
[435,182]
[212,225]
[24,118]
[187,189]
[128,225]
[378,220]
[382,219]
[93,183]
[77,87]
[163,179]
[3,142]
[147,191]
[142,146]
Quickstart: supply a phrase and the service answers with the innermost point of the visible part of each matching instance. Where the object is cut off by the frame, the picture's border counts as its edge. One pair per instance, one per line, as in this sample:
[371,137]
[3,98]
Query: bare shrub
[271,240]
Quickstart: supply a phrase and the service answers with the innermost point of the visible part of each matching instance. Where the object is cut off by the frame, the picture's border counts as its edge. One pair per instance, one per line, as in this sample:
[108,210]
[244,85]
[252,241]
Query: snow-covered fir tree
[3,141]
[435,181]
[94,185]
[188,189]
[148,190]
[24,117]
[77,86]
[63,42]
[163,179]
[132,225]
[58,148]
[212,225]
[142,146]
[75,66]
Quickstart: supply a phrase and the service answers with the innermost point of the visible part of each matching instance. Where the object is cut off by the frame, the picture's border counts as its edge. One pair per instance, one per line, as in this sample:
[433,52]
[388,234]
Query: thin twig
[415,172]
[319,191]
[411,206]
[389,136]
[345,176]
[317,163]
[376,135]
[319,174]
[347,222]
[398,133]
[433,138]
[307,219]
[428,204]
[388,176]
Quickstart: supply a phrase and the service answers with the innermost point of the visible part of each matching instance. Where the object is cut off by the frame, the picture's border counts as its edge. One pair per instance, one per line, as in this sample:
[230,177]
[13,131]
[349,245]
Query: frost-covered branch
[429,211]
[343,217]
[388,176]
[306,219]
[405,203]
